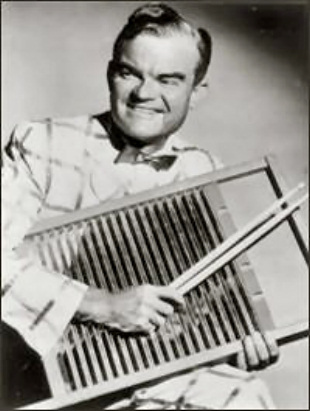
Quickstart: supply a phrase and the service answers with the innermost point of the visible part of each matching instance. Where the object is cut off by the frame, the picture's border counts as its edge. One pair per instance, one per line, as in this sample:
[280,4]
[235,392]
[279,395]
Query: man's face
[151,85]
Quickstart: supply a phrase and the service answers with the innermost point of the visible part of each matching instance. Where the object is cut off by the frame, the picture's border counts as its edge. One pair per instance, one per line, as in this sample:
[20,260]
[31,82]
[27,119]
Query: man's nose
[145,90]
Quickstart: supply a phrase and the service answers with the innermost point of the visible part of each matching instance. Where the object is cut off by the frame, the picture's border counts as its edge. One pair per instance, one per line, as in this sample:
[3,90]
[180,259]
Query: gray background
[54,57]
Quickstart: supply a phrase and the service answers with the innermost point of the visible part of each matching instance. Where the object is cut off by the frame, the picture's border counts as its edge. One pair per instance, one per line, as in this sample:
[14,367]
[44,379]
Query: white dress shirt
[56,166]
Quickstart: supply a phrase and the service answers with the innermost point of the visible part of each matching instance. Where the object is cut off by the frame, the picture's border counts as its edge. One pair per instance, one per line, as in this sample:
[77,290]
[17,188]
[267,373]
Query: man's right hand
[139,309]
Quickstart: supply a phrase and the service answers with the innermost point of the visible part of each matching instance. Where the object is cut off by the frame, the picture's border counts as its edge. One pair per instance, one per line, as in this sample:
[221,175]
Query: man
[156,75]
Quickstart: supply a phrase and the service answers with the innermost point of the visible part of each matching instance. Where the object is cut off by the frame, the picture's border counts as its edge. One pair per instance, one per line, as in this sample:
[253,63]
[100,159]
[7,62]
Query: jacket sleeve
[36,301]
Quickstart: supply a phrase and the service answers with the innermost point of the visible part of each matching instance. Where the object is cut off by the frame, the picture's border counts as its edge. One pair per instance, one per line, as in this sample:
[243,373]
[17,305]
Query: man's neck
[147,147]
[131,149]
[120,140]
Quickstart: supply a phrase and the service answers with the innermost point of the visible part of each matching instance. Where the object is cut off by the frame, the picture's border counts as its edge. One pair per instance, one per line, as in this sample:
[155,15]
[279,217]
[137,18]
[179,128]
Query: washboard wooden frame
[61,398]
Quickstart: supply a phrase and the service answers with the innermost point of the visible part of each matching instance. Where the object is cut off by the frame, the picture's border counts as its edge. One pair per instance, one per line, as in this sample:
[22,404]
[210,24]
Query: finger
[261,348]
[144,326]
[171,295]
[162,307]
[150,320]
[157,320]
[250,353]
[272,347]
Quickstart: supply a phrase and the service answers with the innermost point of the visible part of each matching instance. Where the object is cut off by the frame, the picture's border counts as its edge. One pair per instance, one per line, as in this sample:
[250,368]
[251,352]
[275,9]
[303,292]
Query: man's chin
[144,134]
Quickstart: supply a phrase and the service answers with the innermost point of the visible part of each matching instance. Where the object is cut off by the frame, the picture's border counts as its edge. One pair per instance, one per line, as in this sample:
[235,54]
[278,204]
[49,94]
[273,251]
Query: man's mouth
[145,109]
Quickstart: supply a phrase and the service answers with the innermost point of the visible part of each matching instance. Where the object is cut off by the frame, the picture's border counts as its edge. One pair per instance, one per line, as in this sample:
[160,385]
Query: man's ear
[110,72]
[199,93]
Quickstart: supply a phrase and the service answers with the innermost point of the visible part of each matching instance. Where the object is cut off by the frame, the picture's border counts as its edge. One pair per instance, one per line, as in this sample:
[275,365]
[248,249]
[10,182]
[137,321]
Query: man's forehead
[166,51]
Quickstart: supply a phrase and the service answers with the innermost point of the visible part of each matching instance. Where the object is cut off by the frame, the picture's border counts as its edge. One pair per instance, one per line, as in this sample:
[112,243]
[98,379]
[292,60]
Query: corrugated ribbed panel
[152,242]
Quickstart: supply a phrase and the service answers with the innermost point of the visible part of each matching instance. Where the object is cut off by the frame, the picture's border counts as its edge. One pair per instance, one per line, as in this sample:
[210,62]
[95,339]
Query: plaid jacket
[58,166]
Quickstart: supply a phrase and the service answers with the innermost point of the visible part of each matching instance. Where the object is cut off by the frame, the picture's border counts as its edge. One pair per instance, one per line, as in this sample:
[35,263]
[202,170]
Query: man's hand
[259,351]
[139,309]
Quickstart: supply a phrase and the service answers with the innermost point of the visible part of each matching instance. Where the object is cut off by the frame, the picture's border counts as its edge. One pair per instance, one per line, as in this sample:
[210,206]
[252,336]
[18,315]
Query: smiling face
[151,85]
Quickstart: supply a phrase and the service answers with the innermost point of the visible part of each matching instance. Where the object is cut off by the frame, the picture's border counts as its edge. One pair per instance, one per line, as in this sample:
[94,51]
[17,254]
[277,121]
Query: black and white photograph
[154,205]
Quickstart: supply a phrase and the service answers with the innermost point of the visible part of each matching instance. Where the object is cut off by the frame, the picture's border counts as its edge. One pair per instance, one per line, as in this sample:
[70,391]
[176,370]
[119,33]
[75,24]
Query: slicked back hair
[158,19]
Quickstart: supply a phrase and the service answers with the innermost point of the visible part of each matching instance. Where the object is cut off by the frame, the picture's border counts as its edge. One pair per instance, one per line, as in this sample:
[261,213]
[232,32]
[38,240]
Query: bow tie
[161,162]
[134,156]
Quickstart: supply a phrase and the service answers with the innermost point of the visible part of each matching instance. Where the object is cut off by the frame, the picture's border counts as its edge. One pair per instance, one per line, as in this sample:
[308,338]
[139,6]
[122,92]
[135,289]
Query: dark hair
[159,19]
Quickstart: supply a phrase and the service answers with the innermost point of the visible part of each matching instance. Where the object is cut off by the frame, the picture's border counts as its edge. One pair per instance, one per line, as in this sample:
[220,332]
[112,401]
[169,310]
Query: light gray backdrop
[54,57]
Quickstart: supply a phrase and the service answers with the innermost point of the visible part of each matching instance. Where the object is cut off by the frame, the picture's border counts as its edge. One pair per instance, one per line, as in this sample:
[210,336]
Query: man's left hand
[259,351]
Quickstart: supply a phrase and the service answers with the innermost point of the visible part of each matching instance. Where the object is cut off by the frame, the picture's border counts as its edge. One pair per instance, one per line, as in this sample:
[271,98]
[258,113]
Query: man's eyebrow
[118,65]
[174,75]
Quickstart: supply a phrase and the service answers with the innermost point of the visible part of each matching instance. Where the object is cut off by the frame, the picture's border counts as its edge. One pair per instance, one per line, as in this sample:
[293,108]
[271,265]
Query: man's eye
[125,72]
[169,81]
